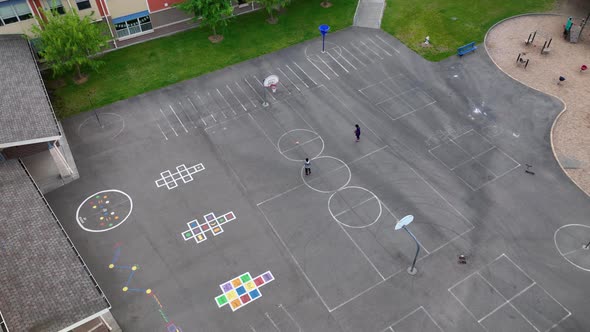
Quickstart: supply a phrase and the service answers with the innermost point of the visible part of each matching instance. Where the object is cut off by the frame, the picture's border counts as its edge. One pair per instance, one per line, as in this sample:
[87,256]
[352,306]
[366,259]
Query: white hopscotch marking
[307,86]
[306,74]
[235,97]
[338,62]
[228,105]
[170,180]
[292,83]
[164,115]
[316,67]
[177,118]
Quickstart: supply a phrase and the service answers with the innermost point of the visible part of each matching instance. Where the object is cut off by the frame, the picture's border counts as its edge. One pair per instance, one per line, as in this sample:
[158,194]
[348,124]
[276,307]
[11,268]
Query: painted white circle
[104,210]
[570,240]
[300,144]
[112,126]
[335,216]
[309,179]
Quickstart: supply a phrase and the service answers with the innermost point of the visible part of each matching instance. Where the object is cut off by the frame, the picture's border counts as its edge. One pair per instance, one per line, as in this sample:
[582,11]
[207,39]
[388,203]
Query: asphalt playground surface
[446,142]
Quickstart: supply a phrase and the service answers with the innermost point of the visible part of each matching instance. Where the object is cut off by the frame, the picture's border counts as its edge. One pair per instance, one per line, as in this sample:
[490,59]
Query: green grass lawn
[450,23]
[154,64]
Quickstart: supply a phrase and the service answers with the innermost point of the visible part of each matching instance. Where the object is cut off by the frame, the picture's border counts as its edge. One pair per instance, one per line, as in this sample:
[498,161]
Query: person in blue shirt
[357,132]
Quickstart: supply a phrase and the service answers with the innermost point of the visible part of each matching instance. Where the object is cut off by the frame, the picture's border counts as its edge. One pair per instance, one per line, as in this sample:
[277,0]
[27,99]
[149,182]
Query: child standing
[357,132]
[307,166]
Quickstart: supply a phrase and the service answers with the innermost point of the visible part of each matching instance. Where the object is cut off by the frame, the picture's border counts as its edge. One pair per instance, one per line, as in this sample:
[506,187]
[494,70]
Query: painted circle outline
[355,227]
[559,251]
[89,118]
[108,229]
[324,191]
[300,160]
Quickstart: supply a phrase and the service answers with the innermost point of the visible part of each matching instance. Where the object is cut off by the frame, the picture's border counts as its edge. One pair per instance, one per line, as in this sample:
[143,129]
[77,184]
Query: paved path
[369,13]
[446,142]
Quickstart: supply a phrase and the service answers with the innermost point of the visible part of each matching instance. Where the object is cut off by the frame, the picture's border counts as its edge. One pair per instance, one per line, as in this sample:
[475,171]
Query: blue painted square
[254,294]
[241,290]
[193,224]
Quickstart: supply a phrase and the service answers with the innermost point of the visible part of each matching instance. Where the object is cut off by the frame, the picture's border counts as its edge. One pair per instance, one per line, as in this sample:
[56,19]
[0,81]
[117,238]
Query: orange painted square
[235,304]
[236,282]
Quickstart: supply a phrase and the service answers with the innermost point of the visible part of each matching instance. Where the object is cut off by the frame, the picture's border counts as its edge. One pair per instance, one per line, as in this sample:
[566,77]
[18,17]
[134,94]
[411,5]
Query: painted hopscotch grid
[170,180]
[392,329]
[242,290]
[212,224]
[473,158]
[508,301]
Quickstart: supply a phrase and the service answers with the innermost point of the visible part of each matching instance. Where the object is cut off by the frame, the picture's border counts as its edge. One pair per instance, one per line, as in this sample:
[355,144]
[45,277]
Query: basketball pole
[265,102]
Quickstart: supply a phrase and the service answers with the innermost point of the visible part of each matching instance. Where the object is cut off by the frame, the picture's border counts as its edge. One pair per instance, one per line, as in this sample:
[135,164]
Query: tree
[271,5]
[212,13]
[69,41]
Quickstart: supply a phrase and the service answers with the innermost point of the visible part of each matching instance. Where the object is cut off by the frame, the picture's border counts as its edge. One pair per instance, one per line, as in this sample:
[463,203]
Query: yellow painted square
[235,304]
[236,282]
[200,237]
[250,285]
[231,295]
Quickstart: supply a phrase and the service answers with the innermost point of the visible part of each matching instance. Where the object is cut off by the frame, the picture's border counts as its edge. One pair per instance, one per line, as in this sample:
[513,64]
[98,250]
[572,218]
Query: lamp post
[402,224]
[324,28]
[90,94]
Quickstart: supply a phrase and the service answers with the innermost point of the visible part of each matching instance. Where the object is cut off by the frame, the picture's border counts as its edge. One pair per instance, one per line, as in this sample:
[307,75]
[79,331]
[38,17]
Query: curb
[521,82]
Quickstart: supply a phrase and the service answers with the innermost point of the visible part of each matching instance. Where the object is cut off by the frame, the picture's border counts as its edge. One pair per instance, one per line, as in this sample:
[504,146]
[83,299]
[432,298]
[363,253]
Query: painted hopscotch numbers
[242,290]
[170,326]
[212,224]
[104,210]
[170,180]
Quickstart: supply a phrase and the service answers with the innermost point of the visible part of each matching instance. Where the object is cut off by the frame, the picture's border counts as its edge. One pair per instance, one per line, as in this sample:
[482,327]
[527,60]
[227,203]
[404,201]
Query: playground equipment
[522,61]
[583,68]
[531,38]
[546,45]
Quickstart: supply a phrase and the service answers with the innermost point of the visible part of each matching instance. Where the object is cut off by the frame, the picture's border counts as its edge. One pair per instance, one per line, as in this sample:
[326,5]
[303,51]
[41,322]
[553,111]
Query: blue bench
[466,49]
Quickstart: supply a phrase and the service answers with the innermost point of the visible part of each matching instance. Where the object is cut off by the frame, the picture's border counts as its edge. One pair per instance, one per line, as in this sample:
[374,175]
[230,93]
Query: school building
[130,21]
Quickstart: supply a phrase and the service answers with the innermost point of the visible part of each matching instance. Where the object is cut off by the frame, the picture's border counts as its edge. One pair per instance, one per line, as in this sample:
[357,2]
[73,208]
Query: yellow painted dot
[116,217]
[134,267]
[148,291]
[105,196]
[94,206]
[111,266]
[125,288]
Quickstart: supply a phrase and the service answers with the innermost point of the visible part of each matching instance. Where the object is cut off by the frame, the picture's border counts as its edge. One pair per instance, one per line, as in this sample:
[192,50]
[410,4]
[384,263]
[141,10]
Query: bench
[466,49]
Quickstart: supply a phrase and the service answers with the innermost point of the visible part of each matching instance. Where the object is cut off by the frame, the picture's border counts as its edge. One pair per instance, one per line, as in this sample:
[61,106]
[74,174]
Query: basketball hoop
[269,82]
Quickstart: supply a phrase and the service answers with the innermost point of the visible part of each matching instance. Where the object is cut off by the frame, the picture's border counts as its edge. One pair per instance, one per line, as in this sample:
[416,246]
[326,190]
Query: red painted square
[205,227]
[245,298]
[259,281]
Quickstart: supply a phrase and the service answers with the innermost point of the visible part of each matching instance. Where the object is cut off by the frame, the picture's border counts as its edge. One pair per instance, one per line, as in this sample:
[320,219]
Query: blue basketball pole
[324,28]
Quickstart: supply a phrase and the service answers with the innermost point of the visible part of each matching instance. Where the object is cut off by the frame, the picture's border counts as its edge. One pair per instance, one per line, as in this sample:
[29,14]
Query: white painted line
[282,72]
[262,130]
[161,131]
[359,61]
[251,328]
[291,317]
[379,47]
[432,319]
[324,62]
[353,66]
[302,118]
[228,105]
[235,97]
[246,95]
[207,108]
[503,304]
[293,258]
[363,53]
[391,328]
[316,67]
[187,114]
[571,252]
[251,87]
[301,144]
[303,71]
[356,205]
[284,86]
[164,115]
[262,85]
[205,123]
[468,311]
[338,62]
[404,317]
[272,321]
[370,49]
[177,118]
[307,86]
[361,250]
[386,43]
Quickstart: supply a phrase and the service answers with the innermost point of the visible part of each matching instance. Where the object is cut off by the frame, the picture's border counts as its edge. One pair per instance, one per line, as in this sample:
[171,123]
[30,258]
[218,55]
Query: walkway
[369,13]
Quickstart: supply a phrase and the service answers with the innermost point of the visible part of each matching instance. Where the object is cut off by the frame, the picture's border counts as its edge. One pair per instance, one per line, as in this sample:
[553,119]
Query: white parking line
[284,86]
[338,62]
[363,53]
[196,110]
[177,118]
[228,105]
[352,55]
[235,97]
[386,43]
[262,85]
[303,71]
[251,87]
[353,66]
[211,114]
[187,114]
[316,67]
[164,115]
[322,60]
[370,49]
[282,72]
[307,86]
[381,48]
[246,95]
[157,124]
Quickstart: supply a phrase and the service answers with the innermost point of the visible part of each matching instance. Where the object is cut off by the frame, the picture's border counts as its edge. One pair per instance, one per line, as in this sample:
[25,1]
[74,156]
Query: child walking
[307,166]
[357,132]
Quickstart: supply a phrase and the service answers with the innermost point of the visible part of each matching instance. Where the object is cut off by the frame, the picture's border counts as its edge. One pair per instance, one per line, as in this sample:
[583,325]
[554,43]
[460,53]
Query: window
[83,4]
[13,11]
[129,25]
[57,6]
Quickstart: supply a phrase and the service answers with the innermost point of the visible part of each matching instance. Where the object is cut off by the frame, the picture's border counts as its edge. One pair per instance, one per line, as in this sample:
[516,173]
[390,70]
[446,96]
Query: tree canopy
[212,13]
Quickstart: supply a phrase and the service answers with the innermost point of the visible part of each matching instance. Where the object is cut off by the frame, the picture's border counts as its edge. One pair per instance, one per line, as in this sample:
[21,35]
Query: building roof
[26,115]
[44,284]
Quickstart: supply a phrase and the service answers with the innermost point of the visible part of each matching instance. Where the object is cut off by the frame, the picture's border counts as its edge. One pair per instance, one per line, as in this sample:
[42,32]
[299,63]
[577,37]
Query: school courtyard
[193,211]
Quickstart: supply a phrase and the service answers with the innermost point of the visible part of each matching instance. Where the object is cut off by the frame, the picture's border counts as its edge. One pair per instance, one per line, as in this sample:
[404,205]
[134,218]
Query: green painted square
[187,235]
[221,220]
[221,300]
[245,277]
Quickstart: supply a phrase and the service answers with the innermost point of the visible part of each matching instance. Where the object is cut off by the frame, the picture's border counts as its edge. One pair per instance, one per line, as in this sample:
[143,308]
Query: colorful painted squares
[242,290]
[212,224]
